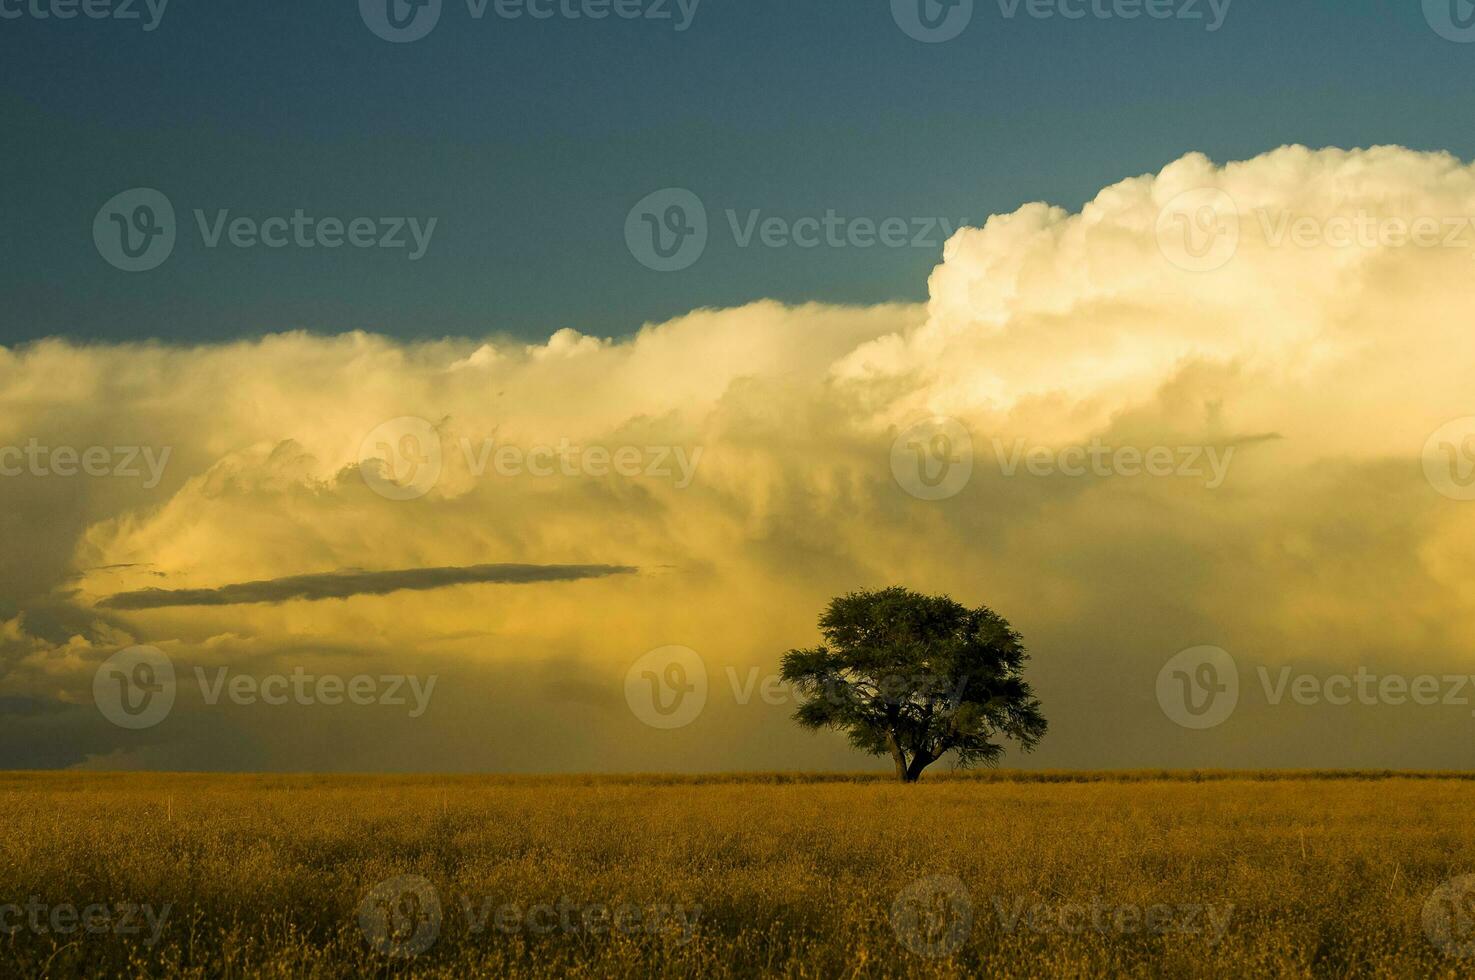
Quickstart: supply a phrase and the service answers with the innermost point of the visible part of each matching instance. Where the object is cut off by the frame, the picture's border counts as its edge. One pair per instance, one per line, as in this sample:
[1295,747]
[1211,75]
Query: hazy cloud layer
[1047,334]
[341,585]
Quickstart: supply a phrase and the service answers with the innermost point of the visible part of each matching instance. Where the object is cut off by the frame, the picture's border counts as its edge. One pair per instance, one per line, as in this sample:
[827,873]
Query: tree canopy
[916,677]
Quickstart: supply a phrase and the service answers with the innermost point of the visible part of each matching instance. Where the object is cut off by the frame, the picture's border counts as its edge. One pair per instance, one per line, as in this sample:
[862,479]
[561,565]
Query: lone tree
[917,677]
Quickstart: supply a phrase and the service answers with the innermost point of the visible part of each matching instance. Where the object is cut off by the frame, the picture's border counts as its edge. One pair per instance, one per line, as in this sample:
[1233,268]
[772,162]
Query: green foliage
[916,677]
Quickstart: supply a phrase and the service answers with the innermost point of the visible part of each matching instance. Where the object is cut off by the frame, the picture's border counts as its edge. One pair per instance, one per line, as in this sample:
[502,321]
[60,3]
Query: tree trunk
[899,757]
[921,760]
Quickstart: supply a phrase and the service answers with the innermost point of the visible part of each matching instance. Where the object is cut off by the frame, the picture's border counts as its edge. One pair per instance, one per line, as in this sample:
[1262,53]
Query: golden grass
[1310,874]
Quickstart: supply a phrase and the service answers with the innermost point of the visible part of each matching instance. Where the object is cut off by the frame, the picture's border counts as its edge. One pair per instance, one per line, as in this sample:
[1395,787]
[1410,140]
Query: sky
[530,141]
[638,340]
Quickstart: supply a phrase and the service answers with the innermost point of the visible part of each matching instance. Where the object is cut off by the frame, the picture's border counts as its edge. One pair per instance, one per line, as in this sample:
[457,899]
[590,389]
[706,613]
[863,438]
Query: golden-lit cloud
[1279,340]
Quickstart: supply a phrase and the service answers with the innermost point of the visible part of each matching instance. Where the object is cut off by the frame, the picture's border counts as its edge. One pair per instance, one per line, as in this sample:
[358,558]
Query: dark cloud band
[341,585]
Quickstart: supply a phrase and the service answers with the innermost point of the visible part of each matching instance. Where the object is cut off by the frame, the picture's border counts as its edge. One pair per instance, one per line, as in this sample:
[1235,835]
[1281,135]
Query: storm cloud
[1093,366]
[343,584]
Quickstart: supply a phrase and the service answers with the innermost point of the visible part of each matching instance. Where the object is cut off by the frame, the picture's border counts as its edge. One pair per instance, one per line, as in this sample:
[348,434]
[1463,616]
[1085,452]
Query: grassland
[1144,874]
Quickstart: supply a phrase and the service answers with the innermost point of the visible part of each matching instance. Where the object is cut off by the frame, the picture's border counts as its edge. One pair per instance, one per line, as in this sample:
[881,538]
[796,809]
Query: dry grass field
[1208,874]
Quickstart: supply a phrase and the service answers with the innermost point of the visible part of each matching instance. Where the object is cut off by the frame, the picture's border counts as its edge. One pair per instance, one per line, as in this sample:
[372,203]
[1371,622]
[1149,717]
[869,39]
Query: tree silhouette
[916,677]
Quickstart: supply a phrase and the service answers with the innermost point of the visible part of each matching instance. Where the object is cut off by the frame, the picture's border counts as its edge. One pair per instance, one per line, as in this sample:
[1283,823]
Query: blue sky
[529,141]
